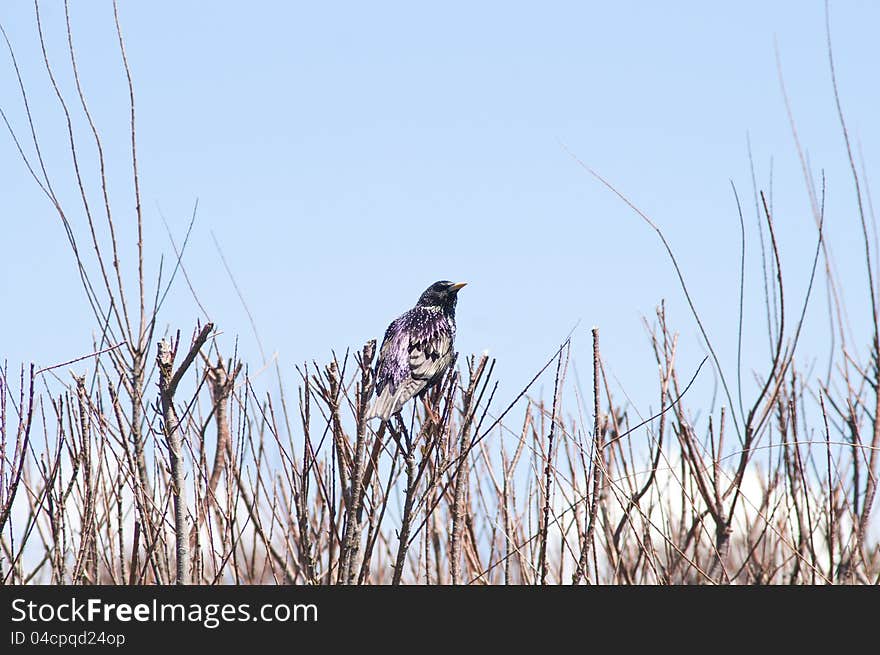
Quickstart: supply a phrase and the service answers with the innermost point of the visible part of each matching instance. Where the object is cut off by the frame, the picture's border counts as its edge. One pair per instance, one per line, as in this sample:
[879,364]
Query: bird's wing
[429,358]
[392,366]
[430,344]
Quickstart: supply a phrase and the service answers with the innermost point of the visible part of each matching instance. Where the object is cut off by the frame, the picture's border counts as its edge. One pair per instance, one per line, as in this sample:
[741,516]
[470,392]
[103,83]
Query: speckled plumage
[417,349]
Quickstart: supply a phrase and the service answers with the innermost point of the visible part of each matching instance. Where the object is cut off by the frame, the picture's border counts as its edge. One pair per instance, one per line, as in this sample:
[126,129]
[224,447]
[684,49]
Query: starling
[417,349]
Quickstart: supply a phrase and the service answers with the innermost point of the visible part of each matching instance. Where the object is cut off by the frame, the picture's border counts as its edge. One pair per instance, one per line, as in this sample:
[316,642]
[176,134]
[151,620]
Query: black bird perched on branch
[417,349]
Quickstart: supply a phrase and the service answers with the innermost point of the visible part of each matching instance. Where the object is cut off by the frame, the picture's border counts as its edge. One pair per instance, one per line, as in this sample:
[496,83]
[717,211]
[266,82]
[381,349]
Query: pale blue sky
[346,155]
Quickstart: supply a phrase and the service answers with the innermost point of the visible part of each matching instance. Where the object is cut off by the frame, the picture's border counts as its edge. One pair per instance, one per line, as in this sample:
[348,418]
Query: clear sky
[347,155]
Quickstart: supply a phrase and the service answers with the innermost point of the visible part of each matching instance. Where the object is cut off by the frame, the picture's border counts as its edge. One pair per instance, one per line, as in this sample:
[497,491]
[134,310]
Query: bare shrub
[154,463]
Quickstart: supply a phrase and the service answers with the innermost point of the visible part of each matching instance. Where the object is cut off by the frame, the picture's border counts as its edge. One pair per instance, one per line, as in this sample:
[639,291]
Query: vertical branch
[548,474]
[353,528]
[871,483]
[221,385]
[597,467]
[22,442]
[168,381]
[135,178]
[406,524]
[165,360]
[86,568]
[301,492]
[463,472]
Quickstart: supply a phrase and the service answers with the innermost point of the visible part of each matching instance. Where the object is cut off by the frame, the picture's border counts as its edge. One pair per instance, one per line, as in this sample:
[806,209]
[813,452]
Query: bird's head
[442,294]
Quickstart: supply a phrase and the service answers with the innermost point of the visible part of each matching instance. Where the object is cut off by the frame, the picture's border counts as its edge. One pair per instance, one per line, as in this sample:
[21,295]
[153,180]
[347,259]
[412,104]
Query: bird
[417,349]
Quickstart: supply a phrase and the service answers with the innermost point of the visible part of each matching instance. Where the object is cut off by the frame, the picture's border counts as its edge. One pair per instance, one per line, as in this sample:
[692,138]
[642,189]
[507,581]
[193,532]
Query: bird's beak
[457,286]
